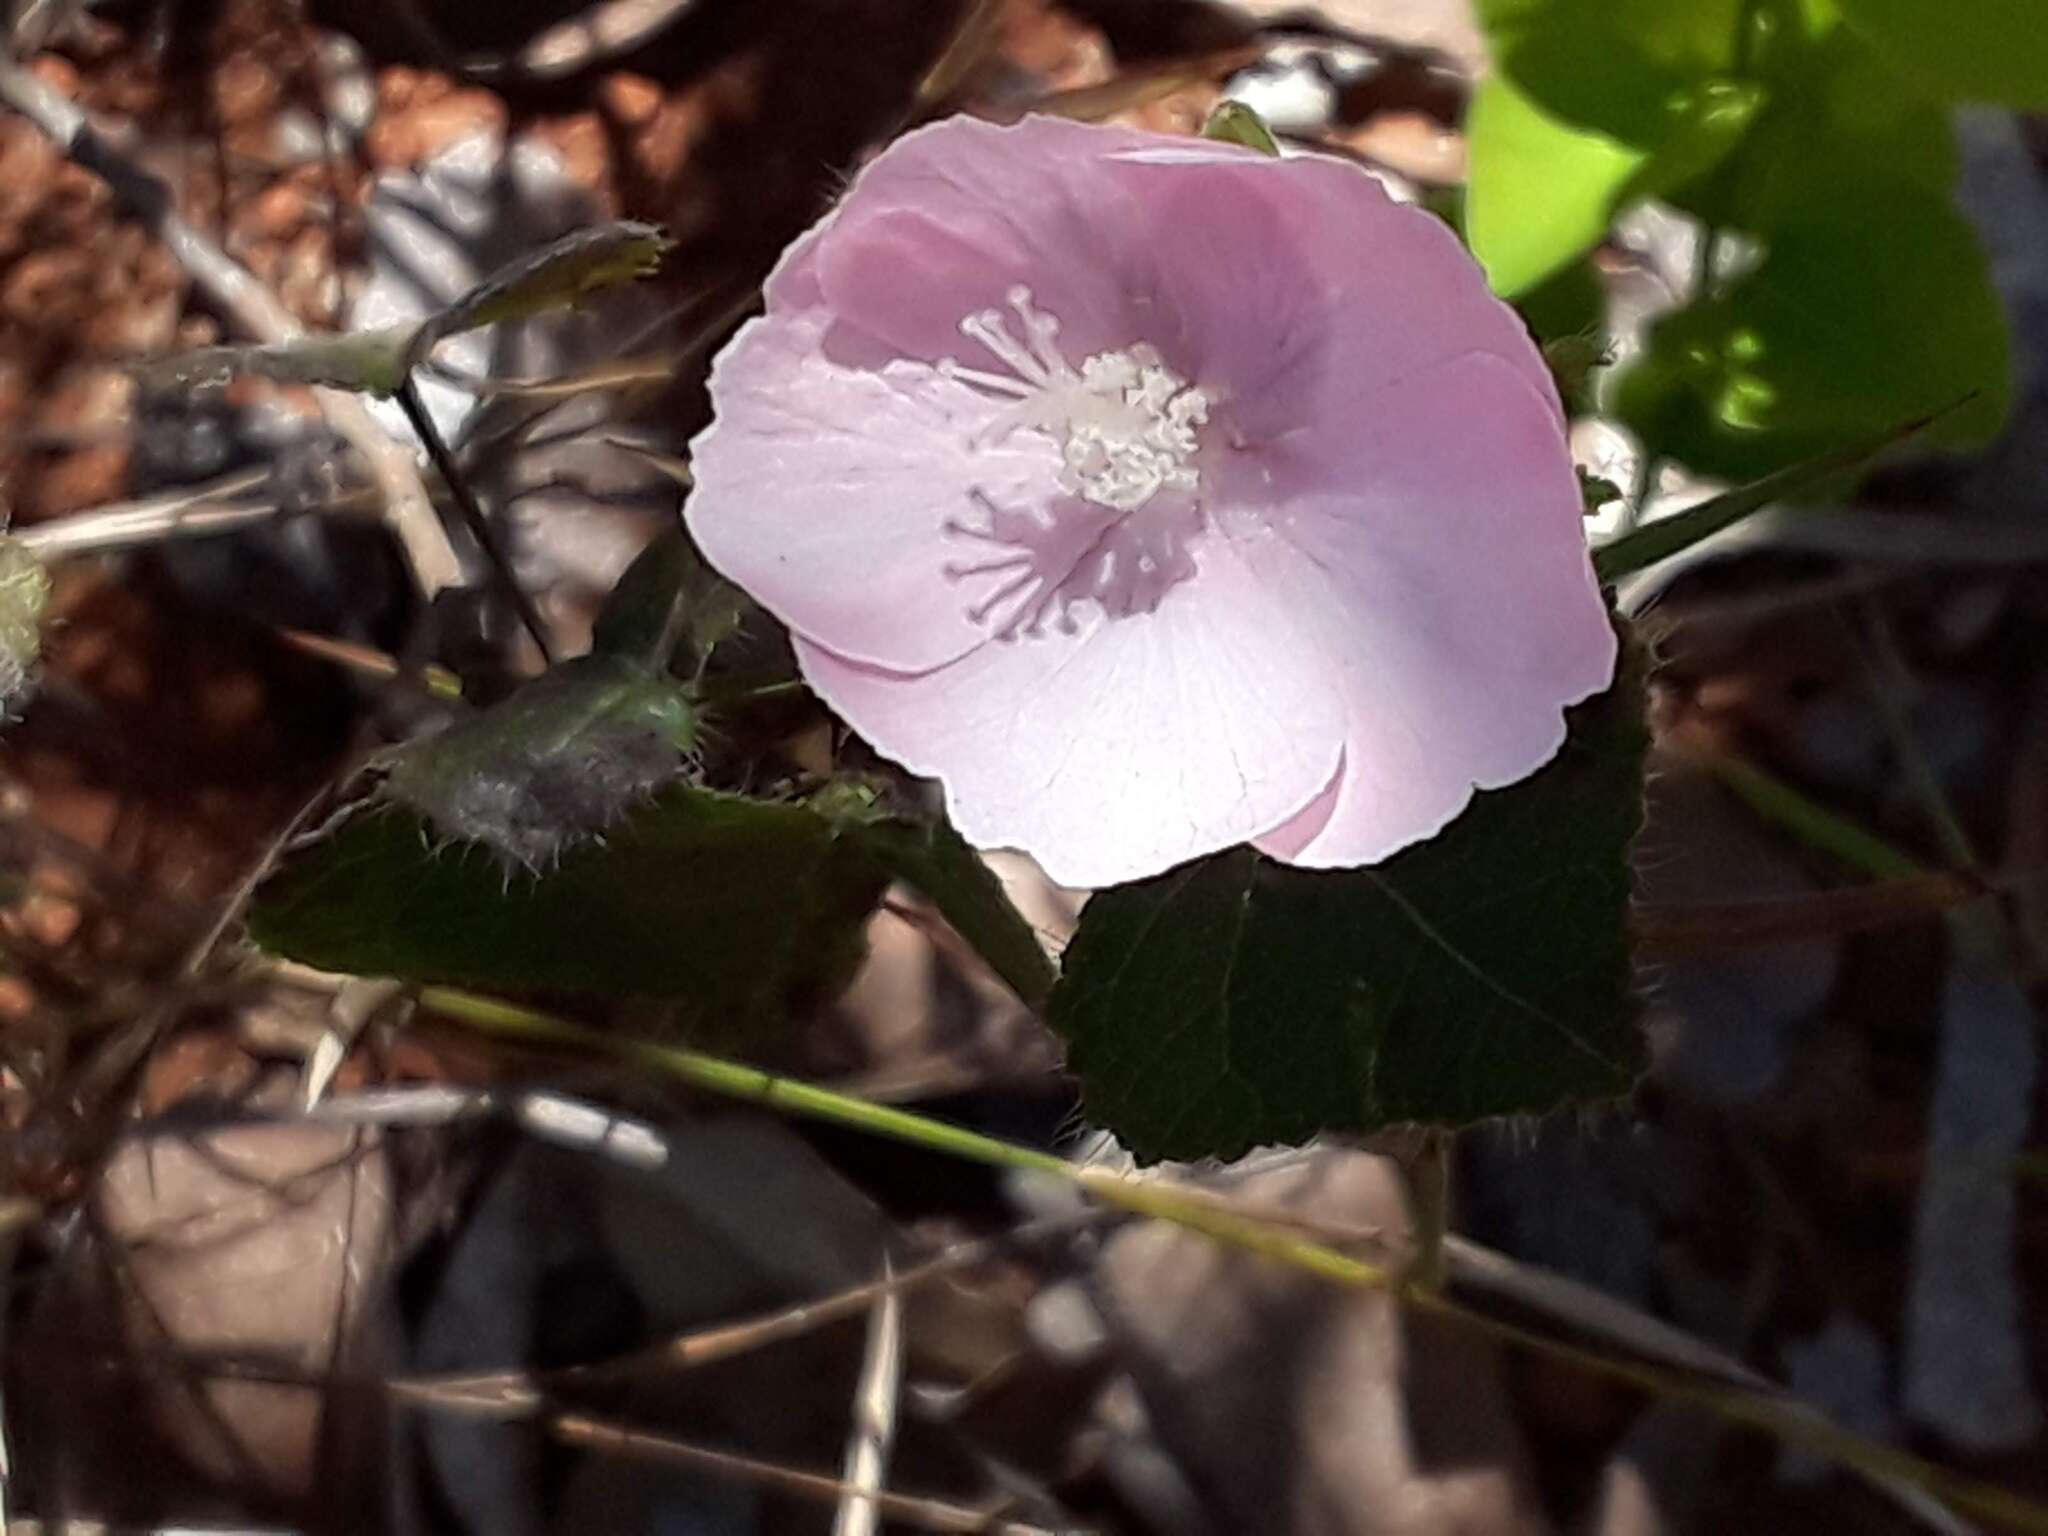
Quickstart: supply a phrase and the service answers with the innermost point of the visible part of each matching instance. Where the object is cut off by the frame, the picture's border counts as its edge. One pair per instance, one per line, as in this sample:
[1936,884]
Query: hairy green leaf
[555,764]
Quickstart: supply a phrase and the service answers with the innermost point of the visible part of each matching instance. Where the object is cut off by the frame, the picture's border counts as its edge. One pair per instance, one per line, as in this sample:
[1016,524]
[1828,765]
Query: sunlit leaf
[1872,305]
[555,277]
[368,362]
[1235,123]
[1644,73]
[1541,193]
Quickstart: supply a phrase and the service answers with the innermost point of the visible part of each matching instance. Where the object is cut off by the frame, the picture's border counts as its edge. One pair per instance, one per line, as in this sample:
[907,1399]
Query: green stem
[730,1078]
[1811,822]
[496,555]
[1784,1417]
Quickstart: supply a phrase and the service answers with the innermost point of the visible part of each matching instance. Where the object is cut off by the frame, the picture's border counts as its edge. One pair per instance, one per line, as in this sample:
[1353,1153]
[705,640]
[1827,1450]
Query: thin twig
[190,511]
[866,1462]
[926,1514]
[496,555]
[408,509]
[520,1393]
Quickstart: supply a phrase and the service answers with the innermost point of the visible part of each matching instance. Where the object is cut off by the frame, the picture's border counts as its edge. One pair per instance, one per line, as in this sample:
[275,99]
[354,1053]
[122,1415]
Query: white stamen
[1127,425]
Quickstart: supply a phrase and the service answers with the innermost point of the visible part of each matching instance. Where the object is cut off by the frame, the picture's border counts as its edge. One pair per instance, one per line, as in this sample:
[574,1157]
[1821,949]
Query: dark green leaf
[557,763]
[1836,113]
[734,911]
[669,608]
[1643,547]
[1872,305]
[951,875]
[1568,306]
[1966,50]
[1237,1001]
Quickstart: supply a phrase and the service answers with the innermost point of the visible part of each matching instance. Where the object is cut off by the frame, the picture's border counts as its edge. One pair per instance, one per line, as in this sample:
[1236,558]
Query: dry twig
[408,508]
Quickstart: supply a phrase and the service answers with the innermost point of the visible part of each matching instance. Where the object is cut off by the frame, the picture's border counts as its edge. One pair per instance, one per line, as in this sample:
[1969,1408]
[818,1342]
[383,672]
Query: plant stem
[495,553]
[1908,1477]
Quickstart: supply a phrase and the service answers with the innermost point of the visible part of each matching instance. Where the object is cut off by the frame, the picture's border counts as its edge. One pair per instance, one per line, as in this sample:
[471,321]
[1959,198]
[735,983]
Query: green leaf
[1569,306]
[1965,50]
[1541,192]
[1643,547]
[669,608]
[546,843]
[1872,305]
[734,911]
[1650,74]
[554,277]
[368,362]
[1235,123]
[557,763]
[1237,1001]
[932,857]
[1836,113]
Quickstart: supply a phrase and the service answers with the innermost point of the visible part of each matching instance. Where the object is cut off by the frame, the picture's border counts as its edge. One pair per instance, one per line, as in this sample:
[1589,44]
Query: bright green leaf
[1966,50]
[1235,123]
[1236,1001]
[1872,305]
[1836,113]
[1541,193]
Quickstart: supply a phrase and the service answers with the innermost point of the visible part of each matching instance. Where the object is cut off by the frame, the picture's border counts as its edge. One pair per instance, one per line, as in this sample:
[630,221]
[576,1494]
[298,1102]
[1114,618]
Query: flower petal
[1121,750]
[1438,554]
[951,217]
[1299,287]
[826,492]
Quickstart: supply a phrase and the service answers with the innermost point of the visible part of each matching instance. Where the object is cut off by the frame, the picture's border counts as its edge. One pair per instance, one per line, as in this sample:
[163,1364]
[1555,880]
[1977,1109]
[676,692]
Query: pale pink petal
[951,217]
[1125,748]
[825,493]
[1437,552]
[1300,287]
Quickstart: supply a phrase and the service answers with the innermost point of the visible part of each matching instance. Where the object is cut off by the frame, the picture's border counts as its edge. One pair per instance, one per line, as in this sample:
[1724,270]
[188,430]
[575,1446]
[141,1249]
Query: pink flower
[1155,495]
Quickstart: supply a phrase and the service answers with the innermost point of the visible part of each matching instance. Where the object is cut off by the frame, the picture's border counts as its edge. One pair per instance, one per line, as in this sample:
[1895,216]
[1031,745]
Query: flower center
[1127,428]
[1126,424]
